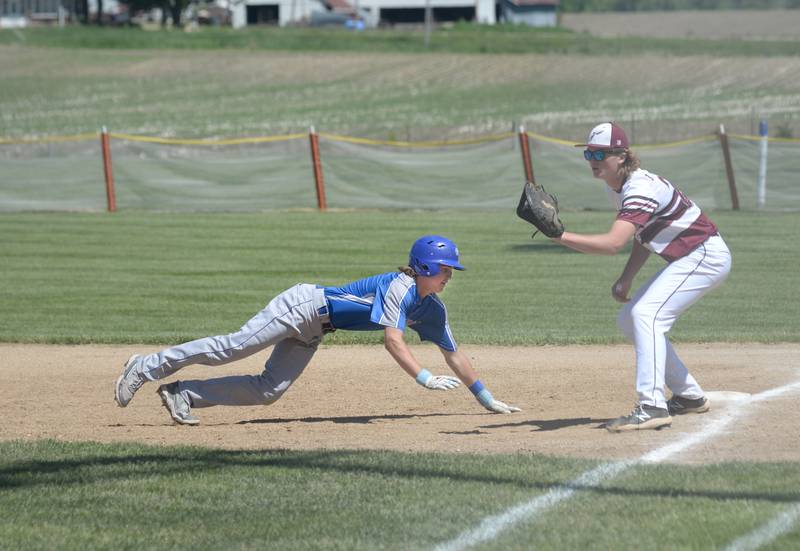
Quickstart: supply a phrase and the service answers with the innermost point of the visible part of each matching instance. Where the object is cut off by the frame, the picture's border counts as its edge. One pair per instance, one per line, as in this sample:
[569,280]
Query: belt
[325,320]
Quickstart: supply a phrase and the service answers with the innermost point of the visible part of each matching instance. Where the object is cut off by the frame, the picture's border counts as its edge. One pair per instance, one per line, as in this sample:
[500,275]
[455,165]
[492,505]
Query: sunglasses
[597,155]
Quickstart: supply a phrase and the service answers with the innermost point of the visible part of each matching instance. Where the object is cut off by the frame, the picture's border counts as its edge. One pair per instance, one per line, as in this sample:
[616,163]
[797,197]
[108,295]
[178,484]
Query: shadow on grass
[540,244]
[99,468]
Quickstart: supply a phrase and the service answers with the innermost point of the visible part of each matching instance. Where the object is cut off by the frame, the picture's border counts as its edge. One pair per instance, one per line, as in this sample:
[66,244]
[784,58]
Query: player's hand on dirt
[620,290]
[442,382]
[497,406]
[437,382]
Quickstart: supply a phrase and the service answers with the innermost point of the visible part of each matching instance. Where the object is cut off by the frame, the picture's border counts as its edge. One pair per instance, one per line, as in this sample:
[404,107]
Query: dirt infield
[355,397]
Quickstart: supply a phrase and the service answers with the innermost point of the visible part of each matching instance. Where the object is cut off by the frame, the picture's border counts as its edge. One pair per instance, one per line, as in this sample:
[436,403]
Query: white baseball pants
[292,322]
[655,307]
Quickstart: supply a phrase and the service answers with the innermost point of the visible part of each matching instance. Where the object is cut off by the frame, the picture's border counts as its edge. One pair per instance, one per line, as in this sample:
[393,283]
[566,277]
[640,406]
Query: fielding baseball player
[662,220]
[295,322]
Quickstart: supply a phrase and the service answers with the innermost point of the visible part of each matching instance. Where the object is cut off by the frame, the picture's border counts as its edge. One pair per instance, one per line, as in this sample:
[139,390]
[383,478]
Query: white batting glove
[437,382]
[486,399]
[500,407]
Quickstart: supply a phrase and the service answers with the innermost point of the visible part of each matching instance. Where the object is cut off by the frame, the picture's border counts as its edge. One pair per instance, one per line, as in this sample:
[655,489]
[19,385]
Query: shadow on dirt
[551,424]
[356,419]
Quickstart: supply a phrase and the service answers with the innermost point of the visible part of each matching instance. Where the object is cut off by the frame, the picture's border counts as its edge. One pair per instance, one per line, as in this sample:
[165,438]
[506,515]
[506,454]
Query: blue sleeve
[392,300]
[431,324]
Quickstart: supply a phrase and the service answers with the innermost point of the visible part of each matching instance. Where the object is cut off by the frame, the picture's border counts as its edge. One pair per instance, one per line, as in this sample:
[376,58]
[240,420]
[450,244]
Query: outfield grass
[91,496]
[157,278]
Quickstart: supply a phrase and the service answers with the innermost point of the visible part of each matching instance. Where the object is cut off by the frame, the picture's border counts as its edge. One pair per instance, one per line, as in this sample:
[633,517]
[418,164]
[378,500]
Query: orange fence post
[313,138]
[726,154]
[107,168]
[526,154]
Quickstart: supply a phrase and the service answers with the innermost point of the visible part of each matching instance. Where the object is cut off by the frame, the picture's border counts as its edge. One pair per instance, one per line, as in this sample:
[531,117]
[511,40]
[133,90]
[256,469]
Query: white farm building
[374,12]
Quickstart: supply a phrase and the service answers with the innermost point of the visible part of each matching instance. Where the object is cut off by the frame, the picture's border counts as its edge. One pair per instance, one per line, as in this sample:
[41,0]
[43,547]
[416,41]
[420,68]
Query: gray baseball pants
[294,323]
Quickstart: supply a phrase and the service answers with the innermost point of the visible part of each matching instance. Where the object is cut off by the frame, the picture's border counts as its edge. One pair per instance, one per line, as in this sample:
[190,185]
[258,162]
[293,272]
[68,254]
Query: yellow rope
[205,141]
[361,141]
[541,138]
[421,144]
[758,138]
[51,139]
[706,138]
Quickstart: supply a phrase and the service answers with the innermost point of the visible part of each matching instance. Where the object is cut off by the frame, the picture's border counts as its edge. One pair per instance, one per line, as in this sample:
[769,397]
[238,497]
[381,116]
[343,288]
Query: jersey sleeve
[392,301]
[431,324]
[639,202]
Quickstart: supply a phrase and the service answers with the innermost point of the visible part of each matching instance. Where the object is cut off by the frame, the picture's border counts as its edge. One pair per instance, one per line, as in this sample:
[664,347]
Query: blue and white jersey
[389,300]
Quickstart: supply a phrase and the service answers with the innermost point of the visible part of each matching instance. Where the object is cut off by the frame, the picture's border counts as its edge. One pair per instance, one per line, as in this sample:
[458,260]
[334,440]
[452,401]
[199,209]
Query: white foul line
[490,527]
[781,524]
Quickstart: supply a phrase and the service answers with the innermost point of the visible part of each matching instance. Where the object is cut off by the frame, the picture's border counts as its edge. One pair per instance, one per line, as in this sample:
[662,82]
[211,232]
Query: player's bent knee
[271,398]
[269,390]
[642,314]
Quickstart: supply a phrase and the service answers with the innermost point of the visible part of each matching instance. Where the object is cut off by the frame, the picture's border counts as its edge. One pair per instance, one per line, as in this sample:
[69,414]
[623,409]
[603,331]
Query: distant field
[671,84]
[459,37]
[707,24]
[230,93]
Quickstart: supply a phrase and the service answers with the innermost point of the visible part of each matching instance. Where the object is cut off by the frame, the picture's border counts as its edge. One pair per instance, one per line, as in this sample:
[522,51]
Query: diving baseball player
[295,322]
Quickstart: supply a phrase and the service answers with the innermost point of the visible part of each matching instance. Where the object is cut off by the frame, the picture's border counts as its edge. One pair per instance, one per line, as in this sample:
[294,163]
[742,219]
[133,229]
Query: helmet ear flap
[429,269]
[423,269]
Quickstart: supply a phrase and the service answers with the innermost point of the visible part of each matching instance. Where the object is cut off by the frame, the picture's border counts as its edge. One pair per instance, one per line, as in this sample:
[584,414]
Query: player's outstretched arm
[397,348]
[461,366]
[605,243]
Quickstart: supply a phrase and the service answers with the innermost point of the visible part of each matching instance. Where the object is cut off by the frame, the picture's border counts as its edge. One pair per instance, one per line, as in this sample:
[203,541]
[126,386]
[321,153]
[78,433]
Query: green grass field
[91,496]
[143,277]
[140,277]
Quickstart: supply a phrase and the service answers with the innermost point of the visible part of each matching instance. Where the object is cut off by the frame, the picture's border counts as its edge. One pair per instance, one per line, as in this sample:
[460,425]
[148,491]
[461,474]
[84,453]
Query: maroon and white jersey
[667,222]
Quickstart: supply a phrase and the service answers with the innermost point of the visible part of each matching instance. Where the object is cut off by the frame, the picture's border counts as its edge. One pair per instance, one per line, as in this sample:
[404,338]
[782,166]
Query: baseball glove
[540,209]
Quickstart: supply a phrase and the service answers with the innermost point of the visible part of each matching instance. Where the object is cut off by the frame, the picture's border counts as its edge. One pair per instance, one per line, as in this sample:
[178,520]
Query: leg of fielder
[708,275]
[676,375]
[288,360]
[654,310]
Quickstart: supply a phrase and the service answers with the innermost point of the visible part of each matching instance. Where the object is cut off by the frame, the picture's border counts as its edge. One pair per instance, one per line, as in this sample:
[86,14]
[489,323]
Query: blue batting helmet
[431,251]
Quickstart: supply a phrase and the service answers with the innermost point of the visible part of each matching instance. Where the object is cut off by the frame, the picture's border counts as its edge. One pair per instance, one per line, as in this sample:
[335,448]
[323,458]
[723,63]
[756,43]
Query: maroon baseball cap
[607,135]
